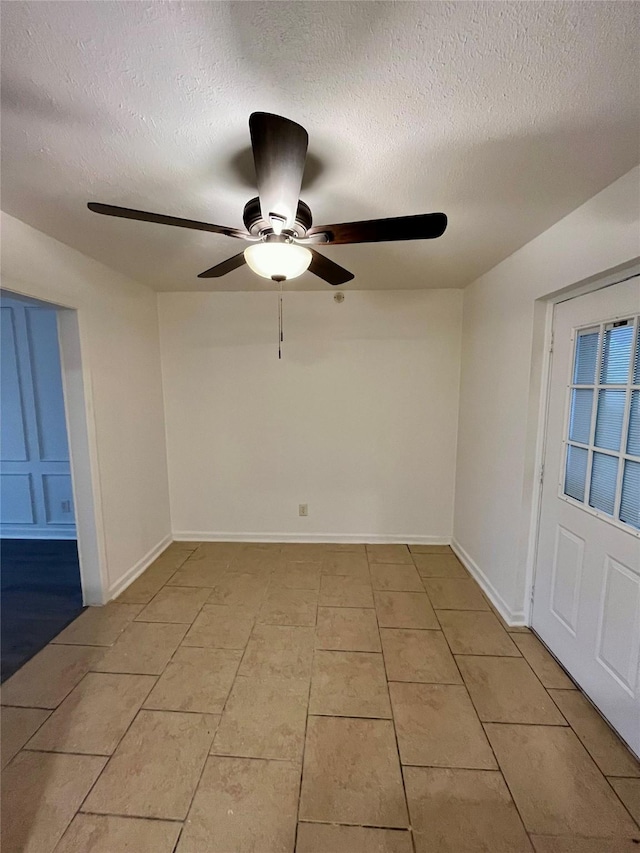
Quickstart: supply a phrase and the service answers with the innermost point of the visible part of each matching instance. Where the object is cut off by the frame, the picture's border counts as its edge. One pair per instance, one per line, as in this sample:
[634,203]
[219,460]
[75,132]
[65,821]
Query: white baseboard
[512,618]
[138,568]
[390,539]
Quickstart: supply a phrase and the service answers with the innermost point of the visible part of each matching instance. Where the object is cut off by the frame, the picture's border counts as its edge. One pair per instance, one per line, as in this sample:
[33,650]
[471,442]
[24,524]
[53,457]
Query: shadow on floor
[41,594]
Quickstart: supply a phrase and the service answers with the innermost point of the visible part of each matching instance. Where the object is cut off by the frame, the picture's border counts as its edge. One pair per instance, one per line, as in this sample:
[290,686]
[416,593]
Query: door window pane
[616,354]
[630,505]
[633,438]
[604,473]
[586,354]
[581,405]
[609,419]
[576,472]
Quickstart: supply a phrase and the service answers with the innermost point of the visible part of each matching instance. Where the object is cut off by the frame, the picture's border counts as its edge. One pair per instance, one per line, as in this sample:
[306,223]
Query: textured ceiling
[504,115]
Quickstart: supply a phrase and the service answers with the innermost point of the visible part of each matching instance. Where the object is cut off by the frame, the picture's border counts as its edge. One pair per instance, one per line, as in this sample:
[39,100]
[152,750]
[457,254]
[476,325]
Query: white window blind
[602,466]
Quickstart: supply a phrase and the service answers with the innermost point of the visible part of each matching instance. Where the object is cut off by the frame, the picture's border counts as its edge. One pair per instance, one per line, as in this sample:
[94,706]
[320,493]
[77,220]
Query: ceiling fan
[278,224]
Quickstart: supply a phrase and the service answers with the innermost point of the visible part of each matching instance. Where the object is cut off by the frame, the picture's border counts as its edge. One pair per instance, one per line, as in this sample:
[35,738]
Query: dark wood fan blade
[279,153]
[425,226]
[327,270]
[161,219]
[223,268]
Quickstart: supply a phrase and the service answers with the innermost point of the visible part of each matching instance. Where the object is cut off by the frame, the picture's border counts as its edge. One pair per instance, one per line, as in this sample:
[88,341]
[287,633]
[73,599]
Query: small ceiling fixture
[279,224]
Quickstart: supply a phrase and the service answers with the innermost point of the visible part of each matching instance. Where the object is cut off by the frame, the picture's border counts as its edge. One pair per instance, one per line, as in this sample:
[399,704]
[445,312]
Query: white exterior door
[586,604]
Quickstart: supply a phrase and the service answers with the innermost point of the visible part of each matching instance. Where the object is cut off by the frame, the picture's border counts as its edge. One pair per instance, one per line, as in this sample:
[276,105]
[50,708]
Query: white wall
[118,328]
[501,372]
[358,419]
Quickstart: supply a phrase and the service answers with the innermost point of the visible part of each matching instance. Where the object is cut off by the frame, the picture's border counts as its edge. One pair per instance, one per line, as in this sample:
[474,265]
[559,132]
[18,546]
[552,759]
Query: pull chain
[279,281]
[280,322]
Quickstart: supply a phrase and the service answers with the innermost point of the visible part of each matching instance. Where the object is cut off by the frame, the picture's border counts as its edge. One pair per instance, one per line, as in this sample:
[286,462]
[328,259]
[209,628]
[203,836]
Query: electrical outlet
[303,510]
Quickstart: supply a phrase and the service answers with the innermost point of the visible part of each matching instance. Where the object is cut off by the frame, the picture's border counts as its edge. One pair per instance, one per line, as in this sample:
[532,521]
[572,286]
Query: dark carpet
[41,594]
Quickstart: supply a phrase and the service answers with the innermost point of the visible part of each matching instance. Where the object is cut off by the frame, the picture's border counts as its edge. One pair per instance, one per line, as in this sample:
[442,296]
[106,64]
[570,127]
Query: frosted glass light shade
[286,260]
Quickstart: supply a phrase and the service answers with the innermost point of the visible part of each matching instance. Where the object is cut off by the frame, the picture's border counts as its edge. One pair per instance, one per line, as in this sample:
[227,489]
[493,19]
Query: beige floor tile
[95,715]
[297,576]
[386,576]
[554,844]
[283,606]
[411,655]
[324,838]
[505,690]
[475,632]
[220,627]
[353,565]
[243,805]
[205,575]
[405,610]
[455,594]
[143,647]
[264,718]
[196,680]
[345,591]
[17,725]
[349,684]
[240,590]
[556,786]
[183,545]
[92,833]
[279,651]
[604,746]
[389,554]
[347,629]
[438,727]
[41,792]
[629,792]
[439,566]
[174,555]
[259,562]
[303,552]
[99,626]
[174,604]
[349,547]
[352,774]
[150,582]
[155,769]
[430,549]
[45,680]
[218,551]
[463,811]
[542,663]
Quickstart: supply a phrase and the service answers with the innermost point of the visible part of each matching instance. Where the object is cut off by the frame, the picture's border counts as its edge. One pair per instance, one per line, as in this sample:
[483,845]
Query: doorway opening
[42,587]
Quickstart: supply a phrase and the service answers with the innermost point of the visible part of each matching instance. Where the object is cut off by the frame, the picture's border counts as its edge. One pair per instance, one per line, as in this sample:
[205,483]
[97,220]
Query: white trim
[514,619]
[16,532]
[138,568]
[390,539]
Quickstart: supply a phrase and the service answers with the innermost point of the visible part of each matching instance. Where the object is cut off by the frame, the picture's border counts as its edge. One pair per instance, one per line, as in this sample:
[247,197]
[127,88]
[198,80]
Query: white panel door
[586,604]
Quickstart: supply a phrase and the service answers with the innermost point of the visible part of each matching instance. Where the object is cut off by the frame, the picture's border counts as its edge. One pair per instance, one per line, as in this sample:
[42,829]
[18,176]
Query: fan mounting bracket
[257,226]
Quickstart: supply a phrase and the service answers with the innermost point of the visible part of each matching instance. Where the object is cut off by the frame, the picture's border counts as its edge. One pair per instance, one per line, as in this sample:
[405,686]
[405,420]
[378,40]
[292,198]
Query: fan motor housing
[257,226]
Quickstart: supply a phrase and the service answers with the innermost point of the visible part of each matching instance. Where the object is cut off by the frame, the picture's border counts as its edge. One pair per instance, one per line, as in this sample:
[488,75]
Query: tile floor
[307,698]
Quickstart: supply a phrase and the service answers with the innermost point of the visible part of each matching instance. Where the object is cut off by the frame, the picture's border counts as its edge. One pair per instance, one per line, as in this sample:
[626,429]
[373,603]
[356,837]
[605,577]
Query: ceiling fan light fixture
[277,260]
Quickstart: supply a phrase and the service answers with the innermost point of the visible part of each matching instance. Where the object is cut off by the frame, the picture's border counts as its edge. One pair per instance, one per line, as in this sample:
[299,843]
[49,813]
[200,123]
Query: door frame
[83,450]
[542,352]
